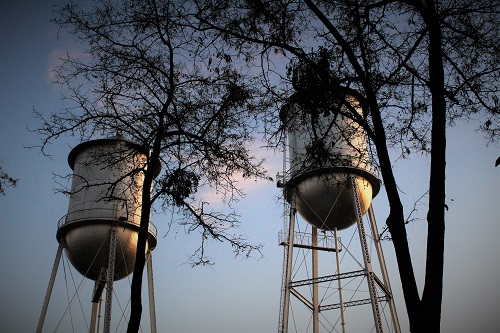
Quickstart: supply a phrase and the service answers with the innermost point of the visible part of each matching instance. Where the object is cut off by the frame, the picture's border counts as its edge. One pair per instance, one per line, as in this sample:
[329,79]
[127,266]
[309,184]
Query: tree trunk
[433,289]
[396,224]
[140,257]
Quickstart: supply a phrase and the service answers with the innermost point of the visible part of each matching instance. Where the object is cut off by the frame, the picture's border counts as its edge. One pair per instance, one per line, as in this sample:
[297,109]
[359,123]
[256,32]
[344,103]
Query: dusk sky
[235,295]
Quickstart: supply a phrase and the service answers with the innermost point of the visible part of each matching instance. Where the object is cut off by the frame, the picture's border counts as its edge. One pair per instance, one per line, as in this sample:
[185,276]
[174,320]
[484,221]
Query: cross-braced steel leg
[110,279]
[287,280]
[366,256]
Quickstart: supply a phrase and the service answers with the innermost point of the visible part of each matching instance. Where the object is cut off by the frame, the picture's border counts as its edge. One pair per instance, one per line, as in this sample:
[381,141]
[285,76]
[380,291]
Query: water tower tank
[325,150]
[103,194]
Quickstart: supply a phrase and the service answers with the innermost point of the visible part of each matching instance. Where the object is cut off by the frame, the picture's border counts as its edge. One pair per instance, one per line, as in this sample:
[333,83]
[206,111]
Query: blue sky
[235,295]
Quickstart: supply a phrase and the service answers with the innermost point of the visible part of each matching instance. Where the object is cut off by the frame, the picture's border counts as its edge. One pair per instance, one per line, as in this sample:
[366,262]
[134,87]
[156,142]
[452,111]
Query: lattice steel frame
[288,286]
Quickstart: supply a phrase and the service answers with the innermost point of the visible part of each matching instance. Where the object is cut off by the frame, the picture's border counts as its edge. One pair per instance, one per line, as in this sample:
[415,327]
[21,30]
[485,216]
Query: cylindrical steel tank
[105,191]
[325,150]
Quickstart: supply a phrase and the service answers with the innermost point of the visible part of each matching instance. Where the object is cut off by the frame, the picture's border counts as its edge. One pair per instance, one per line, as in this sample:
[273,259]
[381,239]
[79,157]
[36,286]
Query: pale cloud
[249,185]
[55,60]
[57,57]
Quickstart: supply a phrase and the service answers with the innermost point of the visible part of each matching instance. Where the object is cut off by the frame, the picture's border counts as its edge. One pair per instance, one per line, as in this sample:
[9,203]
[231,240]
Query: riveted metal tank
[105,191]
[326,148]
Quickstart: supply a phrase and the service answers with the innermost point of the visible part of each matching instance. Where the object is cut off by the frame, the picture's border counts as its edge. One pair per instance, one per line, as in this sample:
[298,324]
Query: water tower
[328,180]
[99,234]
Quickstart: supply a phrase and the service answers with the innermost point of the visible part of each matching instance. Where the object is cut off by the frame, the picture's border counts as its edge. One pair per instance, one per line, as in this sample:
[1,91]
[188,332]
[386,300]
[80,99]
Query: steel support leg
[152,310]
[111,277]
[383,268]
[315,276]
[45,306]
[99,315]
[341,294]
[366,256]
[95,306]
[288,254]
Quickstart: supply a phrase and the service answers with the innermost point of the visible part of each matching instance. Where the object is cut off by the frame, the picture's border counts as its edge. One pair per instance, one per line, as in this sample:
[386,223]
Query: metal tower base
[105,280]
[317,294]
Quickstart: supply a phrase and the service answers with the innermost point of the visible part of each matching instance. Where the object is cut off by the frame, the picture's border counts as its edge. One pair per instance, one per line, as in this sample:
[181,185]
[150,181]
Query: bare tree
[148,76]
[418,66]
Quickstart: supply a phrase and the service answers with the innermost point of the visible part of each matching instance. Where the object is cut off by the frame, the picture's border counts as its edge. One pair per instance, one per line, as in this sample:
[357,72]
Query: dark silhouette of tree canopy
[418,65]
[147,76]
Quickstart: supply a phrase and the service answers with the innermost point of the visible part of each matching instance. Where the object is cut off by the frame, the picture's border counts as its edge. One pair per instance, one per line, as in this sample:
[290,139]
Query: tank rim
[369,176]
[349,91]
[86,144]
[63,229]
